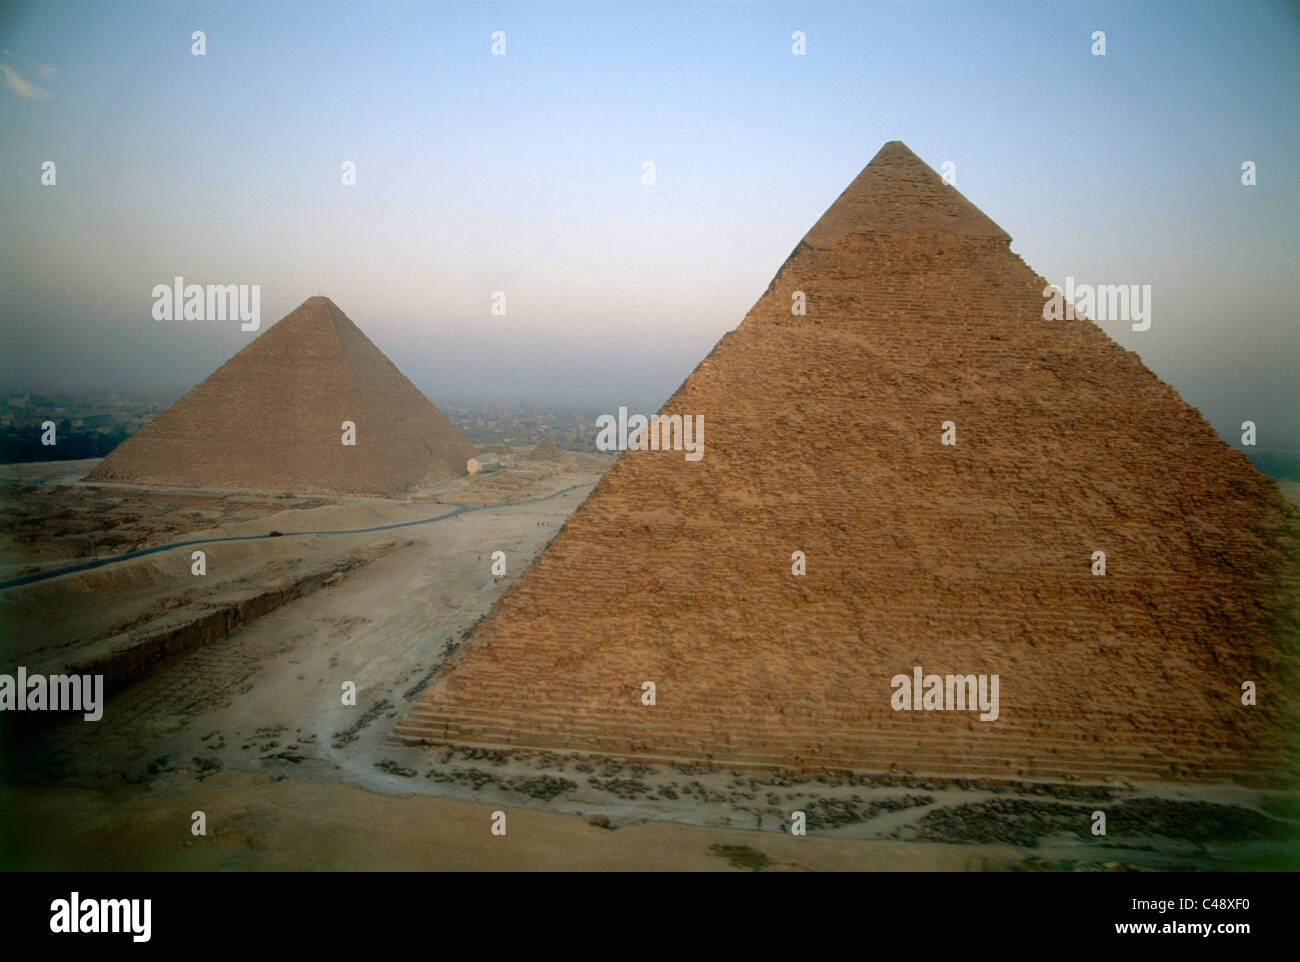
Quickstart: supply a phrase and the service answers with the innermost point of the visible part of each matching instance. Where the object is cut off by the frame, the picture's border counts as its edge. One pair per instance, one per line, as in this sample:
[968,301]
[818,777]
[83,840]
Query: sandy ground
[252,730]
[255,822]
[52,519]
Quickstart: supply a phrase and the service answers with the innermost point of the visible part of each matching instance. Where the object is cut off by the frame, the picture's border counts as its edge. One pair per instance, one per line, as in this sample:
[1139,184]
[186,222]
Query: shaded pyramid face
[824,436]
[545,451]
[271,419]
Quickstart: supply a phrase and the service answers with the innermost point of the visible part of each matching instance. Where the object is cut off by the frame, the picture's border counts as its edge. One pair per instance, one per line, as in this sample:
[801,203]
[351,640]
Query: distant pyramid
[823,436]
[270,419]
[545,451]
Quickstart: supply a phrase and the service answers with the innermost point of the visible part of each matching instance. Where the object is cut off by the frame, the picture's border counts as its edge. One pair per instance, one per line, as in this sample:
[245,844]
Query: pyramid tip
[315,309]
[317,303]
[894,148]
[899,192]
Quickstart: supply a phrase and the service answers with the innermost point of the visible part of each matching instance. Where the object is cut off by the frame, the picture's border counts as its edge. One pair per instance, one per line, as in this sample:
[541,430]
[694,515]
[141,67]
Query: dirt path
[457,509]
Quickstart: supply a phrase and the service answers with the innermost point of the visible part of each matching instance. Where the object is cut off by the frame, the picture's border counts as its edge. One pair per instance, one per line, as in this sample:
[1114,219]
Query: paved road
[458,508]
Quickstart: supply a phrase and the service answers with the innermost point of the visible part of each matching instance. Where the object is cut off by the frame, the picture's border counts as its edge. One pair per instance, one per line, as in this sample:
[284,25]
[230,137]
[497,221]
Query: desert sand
[250,729]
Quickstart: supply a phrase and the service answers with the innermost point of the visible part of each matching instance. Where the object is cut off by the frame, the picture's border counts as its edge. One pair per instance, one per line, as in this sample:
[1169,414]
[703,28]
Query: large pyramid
[823,435]
[270,419]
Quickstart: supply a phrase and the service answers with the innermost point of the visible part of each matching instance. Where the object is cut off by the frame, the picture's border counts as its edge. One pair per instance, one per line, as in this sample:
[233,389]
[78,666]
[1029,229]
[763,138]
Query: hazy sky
[522,173]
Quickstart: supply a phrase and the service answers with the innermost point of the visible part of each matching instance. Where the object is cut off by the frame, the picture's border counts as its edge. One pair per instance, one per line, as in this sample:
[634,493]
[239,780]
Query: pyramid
[824,436]
[545,451]
[271,417]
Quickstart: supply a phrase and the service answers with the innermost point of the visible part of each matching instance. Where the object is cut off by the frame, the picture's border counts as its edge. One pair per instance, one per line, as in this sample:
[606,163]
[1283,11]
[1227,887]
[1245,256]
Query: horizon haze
[523,173]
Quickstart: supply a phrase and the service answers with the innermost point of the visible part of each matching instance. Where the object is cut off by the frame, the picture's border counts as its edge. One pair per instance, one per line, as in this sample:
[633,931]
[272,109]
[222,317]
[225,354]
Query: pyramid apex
[316,307]
[898,192]
[318,301]
[319,310]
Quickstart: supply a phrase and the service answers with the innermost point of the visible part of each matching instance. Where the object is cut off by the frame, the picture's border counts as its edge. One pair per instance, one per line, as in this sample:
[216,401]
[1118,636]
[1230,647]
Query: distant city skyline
[524,174]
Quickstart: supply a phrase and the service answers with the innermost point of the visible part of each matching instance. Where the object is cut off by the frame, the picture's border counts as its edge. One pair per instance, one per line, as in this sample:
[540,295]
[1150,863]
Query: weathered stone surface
[823,436]
[270,419]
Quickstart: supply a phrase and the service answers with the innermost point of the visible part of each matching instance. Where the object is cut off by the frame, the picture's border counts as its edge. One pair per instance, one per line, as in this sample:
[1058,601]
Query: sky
[523,173]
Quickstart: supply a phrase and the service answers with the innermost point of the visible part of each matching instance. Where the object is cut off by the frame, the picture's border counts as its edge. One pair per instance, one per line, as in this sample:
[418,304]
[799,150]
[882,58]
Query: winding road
[458,508]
